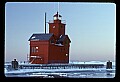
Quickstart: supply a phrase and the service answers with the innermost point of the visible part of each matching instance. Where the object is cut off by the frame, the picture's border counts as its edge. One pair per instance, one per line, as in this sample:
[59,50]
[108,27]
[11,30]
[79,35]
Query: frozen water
[65,73]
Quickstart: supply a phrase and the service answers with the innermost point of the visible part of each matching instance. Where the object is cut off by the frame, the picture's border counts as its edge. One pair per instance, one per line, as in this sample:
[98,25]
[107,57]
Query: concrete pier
[59,66]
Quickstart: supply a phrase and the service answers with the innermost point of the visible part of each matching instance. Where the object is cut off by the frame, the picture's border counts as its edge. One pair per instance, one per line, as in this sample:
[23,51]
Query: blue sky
[90,26]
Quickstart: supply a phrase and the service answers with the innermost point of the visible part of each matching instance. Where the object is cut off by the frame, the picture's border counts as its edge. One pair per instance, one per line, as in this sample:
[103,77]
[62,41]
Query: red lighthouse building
[52,47]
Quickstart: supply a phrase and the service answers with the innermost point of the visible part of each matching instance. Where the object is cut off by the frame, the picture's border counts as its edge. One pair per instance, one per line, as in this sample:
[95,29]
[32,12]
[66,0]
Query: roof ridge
[41,36]
[42,33]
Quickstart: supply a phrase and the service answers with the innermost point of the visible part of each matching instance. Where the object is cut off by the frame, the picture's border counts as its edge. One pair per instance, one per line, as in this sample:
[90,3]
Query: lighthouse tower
[56,27]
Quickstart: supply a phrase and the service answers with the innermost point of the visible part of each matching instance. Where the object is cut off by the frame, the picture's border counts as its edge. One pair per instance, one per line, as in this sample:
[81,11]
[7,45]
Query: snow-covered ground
[72,62]
[69,73]
[90,62]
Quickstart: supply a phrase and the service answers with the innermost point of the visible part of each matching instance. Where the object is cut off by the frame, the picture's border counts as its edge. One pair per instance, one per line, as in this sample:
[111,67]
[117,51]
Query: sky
[90,26]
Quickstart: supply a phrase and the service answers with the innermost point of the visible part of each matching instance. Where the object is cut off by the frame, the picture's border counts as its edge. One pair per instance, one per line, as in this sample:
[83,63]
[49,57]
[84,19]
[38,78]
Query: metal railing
[62,21]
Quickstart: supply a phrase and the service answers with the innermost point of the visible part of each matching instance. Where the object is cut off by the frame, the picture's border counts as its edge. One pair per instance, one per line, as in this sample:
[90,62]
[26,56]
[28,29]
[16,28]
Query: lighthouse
[56,26]
[52,47]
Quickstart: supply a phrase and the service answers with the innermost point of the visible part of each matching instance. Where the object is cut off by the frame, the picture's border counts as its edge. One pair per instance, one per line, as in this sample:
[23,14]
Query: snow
[68,72]
[35,56]
[90,62]
[33,37]
[71,73]
[71,62]
[59,44]
[56,70]
[5,70]
[60,36]
[38,75]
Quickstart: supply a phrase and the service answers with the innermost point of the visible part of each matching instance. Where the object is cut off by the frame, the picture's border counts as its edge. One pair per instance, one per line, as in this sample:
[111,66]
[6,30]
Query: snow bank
[90,62]
[68,69]
[55,70]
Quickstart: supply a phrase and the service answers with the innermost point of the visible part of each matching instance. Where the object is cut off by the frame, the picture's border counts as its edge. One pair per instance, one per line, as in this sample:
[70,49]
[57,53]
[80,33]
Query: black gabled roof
[62,38]
[41,36]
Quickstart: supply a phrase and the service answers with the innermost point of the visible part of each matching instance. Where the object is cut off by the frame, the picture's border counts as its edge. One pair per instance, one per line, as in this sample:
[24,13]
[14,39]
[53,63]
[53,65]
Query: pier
[56,66]
[60,66]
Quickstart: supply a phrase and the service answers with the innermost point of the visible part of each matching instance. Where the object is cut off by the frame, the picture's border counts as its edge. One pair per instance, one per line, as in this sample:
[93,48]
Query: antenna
[58,10]
[45,22]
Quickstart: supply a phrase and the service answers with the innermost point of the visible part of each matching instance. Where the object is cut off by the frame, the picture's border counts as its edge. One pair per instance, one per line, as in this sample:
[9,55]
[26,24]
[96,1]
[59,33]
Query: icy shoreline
[67,72]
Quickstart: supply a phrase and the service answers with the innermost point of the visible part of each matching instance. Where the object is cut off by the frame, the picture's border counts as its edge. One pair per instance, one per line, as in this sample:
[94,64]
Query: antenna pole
[45,22]
[58,10]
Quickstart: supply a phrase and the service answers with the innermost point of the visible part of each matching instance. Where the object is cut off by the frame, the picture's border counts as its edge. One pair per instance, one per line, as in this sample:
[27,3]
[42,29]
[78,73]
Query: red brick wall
[42,51]
[57,54]
[57,28]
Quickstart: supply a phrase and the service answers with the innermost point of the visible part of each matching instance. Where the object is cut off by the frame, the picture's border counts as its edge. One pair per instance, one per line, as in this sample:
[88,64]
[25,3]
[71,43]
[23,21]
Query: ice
[90,62]
[68,72]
